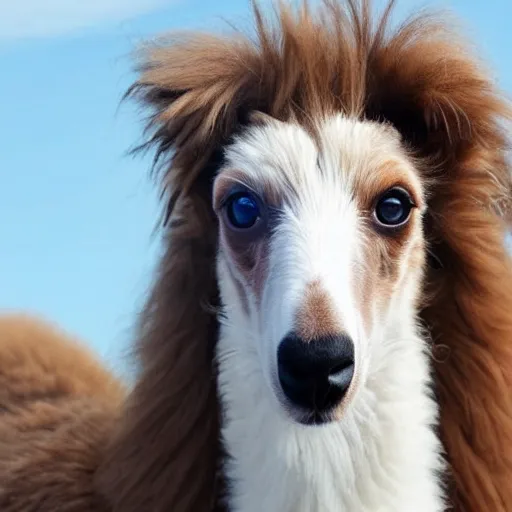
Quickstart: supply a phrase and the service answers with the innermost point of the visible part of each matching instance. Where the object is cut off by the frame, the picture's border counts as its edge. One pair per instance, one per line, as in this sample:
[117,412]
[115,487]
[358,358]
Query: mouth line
[315,418]
[301,416]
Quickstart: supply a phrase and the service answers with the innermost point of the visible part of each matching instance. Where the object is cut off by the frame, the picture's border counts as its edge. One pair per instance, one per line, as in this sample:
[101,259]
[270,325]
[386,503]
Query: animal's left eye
[394,207]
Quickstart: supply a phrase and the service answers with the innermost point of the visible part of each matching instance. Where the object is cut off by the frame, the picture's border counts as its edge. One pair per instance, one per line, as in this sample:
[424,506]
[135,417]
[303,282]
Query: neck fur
[383,456]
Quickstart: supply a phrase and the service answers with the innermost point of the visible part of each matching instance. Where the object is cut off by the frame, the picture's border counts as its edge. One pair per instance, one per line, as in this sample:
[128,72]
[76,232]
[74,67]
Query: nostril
[341,375]
[300,390]
[315,374]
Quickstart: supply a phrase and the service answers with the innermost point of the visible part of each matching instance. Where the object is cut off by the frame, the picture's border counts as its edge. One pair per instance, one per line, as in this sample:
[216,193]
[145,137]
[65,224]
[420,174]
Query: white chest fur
[382,457]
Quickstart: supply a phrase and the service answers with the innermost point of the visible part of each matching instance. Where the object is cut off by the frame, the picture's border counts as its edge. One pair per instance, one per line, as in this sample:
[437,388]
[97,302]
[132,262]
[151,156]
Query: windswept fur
[421,78]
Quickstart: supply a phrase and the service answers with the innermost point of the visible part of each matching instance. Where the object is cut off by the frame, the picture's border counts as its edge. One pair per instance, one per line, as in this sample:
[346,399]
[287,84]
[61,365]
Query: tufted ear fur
[448,109]
[469,312]
[446,106]
[202,90]
[165,453]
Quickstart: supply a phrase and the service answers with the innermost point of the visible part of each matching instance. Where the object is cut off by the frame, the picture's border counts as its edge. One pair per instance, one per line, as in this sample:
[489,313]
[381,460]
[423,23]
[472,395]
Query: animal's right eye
[242,210]
[394,208]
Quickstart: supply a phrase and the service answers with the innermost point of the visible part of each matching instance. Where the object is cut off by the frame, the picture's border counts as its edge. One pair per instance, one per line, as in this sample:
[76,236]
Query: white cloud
[21,19]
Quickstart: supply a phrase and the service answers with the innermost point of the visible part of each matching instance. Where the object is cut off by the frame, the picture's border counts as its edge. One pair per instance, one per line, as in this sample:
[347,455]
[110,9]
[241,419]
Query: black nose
[315,375]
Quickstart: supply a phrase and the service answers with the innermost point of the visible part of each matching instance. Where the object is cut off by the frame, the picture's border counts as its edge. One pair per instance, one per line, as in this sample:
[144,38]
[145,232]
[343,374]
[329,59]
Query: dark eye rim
[390,192]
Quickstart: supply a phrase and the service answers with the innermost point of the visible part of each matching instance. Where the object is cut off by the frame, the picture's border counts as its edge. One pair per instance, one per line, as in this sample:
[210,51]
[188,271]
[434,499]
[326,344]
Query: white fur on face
[380,455]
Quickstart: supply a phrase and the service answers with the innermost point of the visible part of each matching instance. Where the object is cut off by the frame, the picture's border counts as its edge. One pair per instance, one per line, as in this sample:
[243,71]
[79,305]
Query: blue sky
[76,213]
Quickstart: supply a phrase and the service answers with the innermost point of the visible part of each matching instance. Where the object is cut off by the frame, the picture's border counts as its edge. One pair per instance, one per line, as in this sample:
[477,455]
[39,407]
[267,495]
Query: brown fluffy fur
[164,451]
[58,406]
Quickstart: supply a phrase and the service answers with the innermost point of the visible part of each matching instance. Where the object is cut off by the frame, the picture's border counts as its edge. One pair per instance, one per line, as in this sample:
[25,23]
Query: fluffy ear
[470,319]
[448,109]
[165,452]
[164,456]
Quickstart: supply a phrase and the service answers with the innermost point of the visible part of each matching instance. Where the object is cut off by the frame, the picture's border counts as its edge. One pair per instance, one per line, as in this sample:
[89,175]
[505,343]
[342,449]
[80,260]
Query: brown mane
[202,90]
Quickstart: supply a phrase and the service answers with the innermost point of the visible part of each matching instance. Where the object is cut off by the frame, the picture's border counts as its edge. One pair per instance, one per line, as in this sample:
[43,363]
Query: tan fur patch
[230,178]
[378,177]
[317,317]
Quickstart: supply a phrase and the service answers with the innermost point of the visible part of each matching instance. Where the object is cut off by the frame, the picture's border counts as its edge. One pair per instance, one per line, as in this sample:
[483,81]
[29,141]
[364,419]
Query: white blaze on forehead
[353,146]
[281,155]
[285,157]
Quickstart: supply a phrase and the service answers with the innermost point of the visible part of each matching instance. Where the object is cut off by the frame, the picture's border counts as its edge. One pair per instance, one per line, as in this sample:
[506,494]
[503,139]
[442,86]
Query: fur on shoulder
[58,405]
[39,361]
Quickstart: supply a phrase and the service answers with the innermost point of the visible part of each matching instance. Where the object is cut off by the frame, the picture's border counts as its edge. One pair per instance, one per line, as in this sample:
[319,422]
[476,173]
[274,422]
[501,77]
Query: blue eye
[242,211]
[394,207]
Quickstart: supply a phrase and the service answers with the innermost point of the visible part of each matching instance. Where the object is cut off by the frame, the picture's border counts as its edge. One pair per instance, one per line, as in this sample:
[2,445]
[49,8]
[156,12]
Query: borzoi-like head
[320,255]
